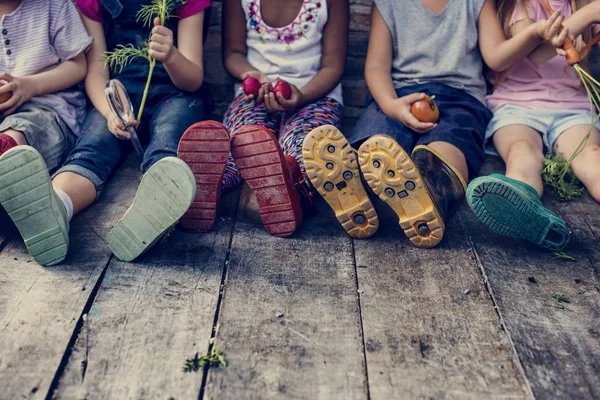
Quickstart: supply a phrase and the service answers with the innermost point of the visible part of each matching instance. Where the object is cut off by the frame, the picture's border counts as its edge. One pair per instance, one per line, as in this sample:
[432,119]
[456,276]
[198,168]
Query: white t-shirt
[293,52]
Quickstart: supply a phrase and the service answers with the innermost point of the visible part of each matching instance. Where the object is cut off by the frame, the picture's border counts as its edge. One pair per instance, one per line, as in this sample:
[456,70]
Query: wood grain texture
[426,338]
[558,343]
[40,307]
[289,323]
[149,317]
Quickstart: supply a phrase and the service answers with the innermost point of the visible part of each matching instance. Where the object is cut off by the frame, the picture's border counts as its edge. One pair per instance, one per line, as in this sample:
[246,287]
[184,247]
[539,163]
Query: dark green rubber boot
[512,208]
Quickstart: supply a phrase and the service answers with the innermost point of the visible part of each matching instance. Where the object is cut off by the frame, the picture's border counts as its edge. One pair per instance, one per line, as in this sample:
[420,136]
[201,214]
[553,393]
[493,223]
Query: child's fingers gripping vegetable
[278,102]
[22,89]
[549,29]
[402,113]
[264,88]
[161,42]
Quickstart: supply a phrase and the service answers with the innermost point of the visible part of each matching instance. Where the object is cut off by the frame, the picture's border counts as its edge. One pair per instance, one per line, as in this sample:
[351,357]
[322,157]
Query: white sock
[68,203]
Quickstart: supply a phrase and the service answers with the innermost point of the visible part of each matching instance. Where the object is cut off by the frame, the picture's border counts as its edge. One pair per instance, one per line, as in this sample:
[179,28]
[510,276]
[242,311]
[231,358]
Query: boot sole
[205,149]
[27,196]
[331,166]
[393,176]
[165,193]
[503,209]
[260,160]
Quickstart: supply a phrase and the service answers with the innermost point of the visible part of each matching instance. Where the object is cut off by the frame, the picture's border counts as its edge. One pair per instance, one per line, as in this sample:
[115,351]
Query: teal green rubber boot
[27,195]
[512,208]
[165,193]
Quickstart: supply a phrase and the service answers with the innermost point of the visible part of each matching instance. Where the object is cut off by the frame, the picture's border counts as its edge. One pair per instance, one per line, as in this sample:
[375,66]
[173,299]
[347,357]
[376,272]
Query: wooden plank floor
[315,316]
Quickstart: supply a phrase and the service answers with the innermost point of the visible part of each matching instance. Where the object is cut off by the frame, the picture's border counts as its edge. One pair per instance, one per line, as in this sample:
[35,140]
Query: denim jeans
[98,152]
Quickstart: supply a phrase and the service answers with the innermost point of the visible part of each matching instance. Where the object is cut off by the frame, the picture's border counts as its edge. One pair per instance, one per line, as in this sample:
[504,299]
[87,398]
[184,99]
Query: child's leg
[298,124]
[168,186]
[90,164]
[522,150]
[239,115]
[586,165]
[511,204]
[454,156]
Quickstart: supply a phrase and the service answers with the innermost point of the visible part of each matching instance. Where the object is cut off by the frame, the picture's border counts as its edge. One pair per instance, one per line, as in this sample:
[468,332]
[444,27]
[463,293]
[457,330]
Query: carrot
[573,56]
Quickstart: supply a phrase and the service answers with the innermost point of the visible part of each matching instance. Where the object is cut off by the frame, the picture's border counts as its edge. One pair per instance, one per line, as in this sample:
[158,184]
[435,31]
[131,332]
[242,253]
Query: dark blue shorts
[463,123]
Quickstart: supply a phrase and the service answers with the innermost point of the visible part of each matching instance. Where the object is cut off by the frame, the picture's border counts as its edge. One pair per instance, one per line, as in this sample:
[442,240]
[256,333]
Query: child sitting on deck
[539,105]
[302,42]
[174,102]
[420,169]
[42,60]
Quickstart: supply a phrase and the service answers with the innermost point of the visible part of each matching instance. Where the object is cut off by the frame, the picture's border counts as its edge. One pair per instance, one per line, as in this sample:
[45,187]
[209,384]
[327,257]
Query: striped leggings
[290,127]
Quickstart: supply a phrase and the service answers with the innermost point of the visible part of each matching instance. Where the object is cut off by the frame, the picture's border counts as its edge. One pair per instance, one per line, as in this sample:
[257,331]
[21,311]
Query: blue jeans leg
[168,123]
[97,151]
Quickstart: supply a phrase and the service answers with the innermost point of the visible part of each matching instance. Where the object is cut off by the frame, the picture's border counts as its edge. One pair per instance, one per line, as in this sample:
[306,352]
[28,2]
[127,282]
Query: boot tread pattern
[261,163]
[393,176]
[332,168]
[164,195]
[27,196]
[205,149]
[537,227]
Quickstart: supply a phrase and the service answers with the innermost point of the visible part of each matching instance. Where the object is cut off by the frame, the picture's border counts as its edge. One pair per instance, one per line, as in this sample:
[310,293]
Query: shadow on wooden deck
[315,316]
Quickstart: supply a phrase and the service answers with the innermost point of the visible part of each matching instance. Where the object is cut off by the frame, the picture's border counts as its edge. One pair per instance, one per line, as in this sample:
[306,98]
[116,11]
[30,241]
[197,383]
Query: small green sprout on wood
[213,358]
[564,256]
[123,55]
[561,298]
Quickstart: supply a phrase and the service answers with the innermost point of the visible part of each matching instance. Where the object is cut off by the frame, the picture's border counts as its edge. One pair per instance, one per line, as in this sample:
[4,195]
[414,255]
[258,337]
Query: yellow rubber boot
[394,177]
[332,168]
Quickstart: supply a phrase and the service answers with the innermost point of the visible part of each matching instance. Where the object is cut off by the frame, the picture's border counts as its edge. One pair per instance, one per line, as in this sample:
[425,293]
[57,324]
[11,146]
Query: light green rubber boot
[164,195]
[512,208]
[27,195]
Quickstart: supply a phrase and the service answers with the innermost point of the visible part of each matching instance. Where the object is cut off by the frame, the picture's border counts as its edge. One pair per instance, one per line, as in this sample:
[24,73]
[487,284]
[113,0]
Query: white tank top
[293,52]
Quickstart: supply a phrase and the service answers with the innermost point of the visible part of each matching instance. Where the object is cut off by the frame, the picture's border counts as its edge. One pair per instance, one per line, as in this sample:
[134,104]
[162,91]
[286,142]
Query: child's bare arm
[500,53]
[24,88]
[378,72]
[98,75]
[234,39]
[183,63]
[333,59]
[575,25]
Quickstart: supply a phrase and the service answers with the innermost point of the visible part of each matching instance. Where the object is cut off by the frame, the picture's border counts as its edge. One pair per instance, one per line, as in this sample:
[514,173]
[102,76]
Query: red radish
[426,110]
[251,86]
[284,88]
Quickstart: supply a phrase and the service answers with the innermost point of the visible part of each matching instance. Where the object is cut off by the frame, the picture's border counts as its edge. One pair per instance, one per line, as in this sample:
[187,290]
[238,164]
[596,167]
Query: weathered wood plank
[149,317]
[289,322]
[40,307]
[426,337]
[558,343]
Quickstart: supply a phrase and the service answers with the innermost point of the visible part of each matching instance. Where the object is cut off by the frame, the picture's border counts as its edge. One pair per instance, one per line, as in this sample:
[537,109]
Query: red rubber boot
[6,143]
[260,160]
[205,148]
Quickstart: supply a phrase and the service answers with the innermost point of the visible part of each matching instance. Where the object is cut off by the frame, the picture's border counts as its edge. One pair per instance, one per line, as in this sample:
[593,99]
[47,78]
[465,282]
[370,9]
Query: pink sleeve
[192,7]
[535,11]
[90,8]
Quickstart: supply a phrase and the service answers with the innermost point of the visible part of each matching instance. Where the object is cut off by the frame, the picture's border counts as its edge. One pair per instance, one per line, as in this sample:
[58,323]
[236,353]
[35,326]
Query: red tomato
[284,88]
[426,110]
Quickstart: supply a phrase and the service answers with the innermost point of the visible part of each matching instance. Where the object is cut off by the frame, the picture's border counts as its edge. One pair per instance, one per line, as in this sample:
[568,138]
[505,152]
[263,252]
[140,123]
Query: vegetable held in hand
[4,97]
[284,88]
[251,86]
[426,110]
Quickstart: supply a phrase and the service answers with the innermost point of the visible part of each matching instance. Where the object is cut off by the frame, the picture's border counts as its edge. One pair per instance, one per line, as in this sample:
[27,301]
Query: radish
[251,86]
[284,88]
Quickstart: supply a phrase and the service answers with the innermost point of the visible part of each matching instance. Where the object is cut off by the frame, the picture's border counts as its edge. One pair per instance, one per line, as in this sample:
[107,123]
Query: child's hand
[402,113]
[276,102]
[550,31]
[161,42]
[117,127]
[265,87]
[22,89]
